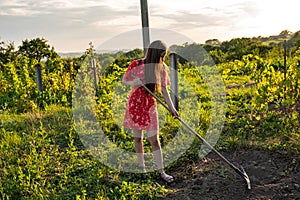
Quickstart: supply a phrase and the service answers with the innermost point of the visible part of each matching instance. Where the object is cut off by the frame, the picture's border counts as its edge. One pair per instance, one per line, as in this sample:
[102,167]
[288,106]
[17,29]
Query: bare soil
[273,176]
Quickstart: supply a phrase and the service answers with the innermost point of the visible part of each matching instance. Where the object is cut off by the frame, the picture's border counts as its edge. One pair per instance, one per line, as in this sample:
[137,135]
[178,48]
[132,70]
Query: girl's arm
[129,76]
[168,100]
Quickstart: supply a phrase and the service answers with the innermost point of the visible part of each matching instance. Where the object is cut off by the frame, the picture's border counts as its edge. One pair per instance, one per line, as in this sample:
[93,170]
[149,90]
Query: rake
[239,171]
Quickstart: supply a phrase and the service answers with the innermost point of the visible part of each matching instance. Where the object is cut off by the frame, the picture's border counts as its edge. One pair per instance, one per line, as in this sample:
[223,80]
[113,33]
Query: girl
[141,111]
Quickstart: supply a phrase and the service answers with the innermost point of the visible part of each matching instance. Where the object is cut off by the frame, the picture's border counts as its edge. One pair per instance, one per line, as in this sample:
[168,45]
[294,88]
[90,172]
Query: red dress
[141,109]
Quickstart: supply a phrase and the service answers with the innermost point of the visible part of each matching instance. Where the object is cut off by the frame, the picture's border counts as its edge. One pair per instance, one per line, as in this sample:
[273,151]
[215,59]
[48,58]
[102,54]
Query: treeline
[235,49]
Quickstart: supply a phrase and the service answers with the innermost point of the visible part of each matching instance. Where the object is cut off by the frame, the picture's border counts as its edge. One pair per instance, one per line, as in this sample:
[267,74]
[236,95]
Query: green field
[42,152]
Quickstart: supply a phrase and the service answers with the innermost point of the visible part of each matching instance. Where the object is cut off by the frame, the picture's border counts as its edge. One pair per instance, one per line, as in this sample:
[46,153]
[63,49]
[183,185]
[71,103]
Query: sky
[70,25]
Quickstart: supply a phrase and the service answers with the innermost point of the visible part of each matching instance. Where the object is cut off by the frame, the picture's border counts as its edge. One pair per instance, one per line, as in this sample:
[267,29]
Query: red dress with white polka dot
[141,109]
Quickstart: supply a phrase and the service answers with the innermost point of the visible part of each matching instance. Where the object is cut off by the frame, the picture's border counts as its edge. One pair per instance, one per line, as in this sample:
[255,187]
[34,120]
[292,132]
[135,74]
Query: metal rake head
[245,176]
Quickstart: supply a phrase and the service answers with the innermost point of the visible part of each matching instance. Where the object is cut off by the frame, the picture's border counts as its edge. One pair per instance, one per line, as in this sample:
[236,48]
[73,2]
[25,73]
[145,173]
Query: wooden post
[94,65]
[145,24]
[38,73]
[174,79]
[285,68]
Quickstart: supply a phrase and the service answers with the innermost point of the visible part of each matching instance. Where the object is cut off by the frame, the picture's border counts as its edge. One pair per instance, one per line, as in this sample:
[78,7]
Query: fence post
[94,66]
[174,79]
[285,68]
[38,73]
[145,24]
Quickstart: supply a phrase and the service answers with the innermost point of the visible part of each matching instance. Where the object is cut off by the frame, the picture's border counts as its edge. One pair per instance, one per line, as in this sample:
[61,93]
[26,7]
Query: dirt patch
[273,176]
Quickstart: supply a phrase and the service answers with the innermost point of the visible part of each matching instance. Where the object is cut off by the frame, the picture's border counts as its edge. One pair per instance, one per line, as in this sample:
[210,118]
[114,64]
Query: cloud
[133,39]
[64,25]
[70,25]
[207,16]
[35,7]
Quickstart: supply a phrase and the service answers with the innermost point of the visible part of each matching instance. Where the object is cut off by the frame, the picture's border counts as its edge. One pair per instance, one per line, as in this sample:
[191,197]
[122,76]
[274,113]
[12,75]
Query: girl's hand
[137,82]
[174,112]
[134,82]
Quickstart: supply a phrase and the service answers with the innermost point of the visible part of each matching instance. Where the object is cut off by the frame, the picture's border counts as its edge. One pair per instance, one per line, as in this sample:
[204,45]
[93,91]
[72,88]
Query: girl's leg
[157,154]
[156,149]
[139,148]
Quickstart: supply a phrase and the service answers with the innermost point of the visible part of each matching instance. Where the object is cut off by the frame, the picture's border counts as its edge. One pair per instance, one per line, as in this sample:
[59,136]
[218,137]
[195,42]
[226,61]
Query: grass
[42,156]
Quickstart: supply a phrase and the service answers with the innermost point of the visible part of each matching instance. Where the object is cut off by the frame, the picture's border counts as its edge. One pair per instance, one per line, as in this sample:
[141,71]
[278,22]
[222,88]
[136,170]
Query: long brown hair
[156,50]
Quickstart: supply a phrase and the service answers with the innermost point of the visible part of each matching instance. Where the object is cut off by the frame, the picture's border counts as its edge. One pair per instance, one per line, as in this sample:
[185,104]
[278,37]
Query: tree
[7,53]
[213,42]
[238,47]
[285,33]
[35,49]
